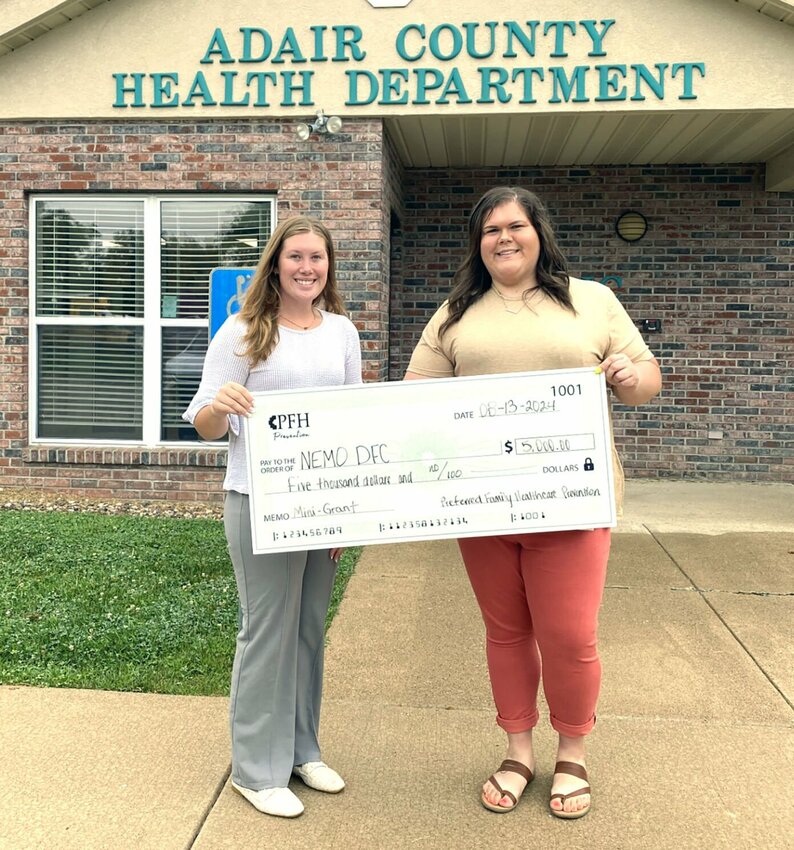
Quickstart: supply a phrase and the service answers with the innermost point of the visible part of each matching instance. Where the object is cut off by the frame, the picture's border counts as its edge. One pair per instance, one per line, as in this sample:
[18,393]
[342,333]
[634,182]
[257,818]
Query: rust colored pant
[539,595]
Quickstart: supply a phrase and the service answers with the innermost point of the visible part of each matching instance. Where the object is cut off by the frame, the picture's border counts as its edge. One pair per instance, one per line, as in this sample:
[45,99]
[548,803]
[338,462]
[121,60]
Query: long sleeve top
[328,355]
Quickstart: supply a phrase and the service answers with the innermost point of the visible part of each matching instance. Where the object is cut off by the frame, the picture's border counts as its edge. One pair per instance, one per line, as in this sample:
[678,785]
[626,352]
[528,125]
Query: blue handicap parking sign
[226,291]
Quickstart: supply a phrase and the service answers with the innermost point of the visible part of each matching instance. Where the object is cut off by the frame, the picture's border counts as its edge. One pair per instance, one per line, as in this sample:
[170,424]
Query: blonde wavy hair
[262,299]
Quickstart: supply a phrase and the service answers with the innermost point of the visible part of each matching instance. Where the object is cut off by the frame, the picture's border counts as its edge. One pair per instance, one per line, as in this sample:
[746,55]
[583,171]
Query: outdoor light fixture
[631,226]
[322,124]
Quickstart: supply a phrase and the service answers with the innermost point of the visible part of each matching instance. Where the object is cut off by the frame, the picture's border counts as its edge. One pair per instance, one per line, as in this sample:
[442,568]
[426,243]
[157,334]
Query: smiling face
[510,247]
[302,270]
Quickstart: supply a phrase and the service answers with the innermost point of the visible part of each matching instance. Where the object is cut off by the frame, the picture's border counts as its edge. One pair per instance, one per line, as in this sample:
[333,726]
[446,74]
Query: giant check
[417,460]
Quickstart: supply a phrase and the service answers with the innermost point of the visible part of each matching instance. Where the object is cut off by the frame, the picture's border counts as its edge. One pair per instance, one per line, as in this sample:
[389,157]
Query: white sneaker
[280,802]
[317,775]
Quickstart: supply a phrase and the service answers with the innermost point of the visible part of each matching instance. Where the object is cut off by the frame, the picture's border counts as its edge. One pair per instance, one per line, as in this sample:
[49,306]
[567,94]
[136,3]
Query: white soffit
[779,10]
[26,21]
[591,139]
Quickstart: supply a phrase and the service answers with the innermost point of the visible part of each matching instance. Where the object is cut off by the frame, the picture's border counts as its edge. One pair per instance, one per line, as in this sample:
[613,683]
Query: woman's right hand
[232,398]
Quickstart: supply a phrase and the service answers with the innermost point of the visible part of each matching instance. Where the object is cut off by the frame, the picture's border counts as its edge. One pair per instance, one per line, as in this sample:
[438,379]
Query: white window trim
[151,321]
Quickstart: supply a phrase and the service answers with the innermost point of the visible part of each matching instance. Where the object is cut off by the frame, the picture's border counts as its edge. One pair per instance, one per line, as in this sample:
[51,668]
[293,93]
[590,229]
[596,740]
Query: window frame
[151,322]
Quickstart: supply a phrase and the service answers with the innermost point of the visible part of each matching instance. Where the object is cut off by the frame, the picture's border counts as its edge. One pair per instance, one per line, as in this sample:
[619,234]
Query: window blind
[89,258]
[90,382]
[183,351]
[199,236]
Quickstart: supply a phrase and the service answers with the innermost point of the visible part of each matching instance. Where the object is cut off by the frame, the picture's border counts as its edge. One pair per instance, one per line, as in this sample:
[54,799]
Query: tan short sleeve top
[495,337]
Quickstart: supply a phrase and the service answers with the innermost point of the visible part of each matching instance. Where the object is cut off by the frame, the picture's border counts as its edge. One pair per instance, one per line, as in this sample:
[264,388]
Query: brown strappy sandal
[572,769]
[507,766]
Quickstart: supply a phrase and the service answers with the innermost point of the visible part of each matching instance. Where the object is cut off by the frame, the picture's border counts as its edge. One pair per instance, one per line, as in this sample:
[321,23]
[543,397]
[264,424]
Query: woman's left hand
[336,554]
[621,372]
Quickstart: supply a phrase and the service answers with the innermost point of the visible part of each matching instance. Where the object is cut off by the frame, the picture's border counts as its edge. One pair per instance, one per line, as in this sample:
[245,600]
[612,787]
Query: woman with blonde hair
[291,333]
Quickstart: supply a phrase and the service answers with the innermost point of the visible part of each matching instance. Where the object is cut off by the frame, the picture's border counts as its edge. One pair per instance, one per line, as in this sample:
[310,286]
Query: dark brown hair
[472,280]
[263,297]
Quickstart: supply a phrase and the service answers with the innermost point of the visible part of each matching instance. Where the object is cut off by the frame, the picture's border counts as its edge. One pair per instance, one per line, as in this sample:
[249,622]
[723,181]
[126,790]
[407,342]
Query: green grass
[120,602]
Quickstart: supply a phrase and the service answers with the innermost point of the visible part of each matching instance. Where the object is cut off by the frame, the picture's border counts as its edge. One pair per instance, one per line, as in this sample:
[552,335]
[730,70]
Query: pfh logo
[288,421]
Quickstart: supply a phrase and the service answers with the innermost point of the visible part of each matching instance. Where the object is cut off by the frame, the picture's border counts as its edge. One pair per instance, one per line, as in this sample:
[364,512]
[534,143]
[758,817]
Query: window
[121,296]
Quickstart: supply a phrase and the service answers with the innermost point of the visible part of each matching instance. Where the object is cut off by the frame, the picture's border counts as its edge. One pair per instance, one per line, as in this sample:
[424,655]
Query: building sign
[226,294]
[487,63]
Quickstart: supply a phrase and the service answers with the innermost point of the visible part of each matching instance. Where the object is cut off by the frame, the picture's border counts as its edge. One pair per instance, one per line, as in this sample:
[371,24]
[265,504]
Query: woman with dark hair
[514,308]
[290,333]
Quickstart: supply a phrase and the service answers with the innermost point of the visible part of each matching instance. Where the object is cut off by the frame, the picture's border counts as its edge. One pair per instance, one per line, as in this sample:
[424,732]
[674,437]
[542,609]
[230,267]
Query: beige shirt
[492,339]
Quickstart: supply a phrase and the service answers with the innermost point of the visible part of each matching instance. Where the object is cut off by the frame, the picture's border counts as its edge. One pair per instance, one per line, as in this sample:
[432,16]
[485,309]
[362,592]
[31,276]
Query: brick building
[141,149]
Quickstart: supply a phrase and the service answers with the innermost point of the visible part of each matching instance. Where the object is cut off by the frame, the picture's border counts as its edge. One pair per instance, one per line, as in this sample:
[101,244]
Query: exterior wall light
[322,124]
[631,226]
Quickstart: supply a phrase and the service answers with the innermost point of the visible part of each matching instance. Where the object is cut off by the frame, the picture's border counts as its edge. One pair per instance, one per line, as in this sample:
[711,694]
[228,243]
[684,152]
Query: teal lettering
[304,87]
[400,42]
[565,85]
[228,90]
[644,74]
[261,78]
[454,86]
[348,36]
[267,44]
[471,47]
[528,74]
[217,46]
[609,80]
[528,43]
[162,89]
[487,83]
[435,46]
[393,80]
[597,37]
[559,28]
[319,51]
[200,89]
[136,90]
[688,68]
[423,86]
[289,46]
[353,98]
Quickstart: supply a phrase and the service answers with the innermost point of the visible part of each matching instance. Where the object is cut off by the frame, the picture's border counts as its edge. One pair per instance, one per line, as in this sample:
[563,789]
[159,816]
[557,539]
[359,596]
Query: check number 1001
[563,390]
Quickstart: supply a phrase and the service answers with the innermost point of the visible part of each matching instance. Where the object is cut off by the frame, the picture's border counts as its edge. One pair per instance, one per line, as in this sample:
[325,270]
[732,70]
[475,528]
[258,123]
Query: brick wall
[337,178]
[371,312]
[715,267]
[394,188]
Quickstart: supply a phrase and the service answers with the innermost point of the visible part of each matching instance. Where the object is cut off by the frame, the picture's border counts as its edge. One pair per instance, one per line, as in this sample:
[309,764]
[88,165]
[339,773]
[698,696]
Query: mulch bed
[38,500]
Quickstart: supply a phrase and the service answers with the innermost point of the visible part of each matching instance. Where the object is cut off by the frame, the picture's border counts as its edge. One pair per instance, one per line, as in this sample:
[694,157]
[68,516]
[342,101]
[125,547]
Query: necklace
[522,298]
[297,324]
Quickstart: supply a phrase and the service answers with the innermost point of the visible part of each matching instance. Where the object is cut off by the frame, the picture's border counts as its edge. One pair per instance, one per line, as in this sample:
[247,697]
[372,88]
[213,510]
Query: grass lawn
[122,603]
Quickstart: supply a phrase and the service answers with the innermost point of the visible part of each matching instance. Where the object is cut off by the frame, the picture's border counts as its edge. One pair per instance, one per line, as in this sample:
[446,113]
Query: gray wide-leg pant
[274,708]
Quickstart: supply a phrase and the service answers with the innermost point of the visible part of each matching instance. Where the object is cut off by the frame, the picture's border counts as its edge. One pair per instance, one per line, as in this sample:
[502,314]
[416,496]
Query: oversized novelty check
[419,460]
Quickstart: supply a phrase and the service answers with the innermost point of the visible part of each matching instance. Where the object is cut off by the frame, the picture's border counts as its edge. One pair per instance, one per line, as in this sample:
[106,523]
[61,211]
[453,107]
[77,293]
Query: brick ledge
[95,456]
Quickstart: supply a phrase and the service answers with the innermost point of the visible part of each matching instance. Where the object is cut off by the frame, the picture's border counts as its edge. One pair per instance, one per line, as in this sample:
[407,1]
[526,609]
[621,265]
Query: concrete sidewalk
[694,746]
